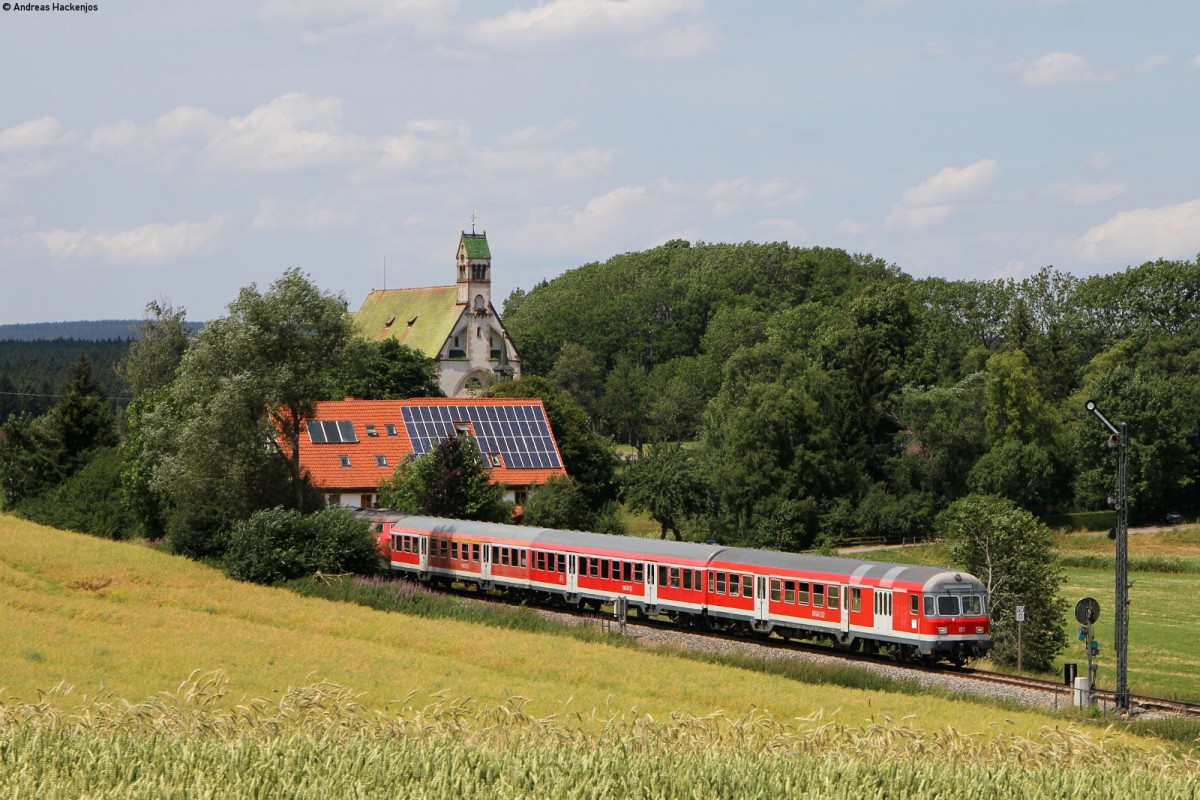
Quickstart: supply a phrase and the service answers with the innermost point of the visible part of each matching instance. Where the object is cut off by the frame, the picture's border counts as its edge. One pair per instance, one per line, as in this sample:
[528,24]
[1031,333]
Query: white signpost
[1020,619]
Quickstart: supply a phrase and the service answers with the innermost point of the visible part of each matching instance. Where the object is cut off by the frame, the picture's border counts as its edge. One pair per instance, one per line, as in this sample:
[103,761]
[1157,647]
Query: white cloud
[152,244]
[730,196]
[1082,194]
[783,229]
[1196,61]
[853,227]
[313,215]
[952,183]
[1152,63]
[937,197]
[1011,271]
[162,143]
[1099,161]
[293,131]
[689,41]
[34,135]
[561,21]
[318,21]
[1060,69]
[1144,234]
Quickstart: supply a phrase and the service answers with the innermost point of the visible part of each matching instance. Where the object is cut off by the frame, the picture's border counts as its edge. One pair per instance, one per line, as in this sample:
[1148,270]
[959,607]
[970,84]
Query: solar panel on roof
[518,433]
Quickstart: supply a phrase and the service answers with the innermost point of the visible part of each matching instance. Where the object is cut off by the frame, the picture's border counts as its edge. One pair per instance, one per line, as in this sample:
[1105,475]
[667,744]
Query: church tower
[474,272]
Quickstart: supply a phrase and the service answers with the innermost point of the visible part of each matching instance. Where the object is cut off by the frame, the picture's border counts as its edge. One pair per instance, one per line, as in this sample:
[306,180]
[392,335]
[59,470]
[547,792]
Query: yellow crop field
[126,619]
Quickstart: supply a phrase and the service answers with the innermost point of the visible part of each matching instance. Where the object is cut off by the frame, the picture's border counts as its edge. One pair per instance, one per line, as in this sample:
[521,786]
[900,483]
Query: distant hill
[94,330]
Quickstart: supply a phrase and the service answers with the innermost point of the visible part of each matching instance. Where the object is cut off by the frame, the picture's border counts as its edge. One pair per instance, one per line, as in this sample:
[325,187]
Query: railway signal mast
[1119,440]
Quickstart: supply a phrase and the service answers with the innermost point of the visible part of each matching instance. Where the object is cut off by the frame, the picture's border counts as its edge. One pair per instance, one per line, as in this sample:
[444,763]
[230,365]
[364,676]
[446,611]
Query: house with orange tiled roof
[456,326]
[351,445]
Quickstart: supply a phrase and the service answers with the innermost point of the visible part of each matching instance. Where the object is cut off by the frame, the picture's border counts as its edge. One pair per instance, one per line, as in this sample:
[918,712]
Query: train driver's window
[929,612]
[775,586]
[833,597]
[914,604]
[972,607]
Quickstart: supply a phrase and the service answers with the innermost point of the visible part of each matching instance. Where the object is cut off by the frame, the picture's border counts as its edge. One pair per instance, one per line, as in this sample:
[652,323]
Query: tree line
[824,395]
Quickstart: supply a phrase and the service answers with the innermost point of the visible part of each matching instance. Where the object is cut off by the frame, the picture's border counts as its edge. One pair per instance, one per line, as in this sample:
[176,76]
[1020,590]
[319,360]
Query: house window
[380,461]
[364,501]
[391,430]
[371,429]
[345,460]
[494,458]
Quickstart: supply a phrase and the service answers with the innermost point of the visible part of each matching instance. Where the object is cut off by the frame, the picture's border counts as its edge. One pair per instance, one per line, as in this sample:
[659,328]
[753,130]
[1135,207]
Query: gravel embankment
[685,640]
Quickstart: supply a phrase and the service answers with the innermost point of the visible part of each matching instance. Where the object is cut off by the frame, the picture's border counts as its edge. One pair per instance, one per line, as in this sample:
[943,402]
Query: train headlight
[943,630]
[979,629]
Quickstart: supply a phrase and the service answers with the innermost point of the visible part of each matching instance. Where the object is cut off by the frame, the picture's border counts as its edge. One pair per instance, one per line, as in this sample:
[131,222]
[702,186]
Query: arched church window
[479,304]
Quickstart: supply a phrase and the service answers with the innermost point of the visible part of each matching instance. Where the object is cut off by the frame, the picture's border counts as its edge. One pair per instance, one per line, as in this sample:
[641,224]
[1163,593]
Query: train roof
[483,530]
[852,570]
[631,545]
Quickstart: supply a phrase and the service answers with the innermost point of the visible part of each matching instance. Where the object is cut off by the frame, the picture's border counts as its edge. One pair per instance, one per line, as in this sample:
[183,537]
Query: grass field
[302,697]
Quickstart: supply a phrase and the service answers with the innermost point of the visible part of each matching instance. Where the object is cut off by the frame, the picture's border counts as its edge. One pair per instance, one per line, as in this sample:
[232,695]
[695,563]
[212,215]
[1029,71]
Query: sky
[180,151]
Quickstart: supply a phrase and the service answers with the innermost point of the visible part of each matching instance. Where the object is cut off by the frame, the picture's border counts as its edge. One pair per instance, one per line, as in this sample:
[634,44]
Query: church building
[456,326]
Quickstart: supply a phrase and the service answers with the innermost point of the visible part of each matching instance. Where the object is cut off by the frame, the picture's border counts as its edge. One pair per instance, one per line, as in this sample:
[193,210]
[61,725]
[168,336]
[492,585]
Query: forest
[822,396]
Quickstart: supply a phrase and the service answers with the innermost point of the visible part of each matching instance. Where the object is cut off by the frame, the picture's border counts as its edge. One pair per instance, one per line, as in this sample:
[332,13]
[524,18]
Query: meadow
[127,672]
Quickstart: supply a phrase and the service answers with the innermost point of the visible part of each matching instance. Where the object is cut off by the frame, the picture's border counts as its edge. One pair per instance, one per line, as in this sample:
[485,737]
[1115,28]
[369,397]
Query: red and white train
[907,611]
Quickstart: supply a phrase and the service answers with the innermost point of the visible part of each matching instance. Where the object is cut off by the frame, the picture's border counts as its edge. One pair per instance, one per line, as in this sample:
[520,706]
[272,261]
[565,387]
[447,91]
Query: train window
[789,592]
[747,586]
[662,575]
[914,604]
[833,597]
[604,568]
[475,552]
[524,558]
[539,561]
[637,573]
[803,593]
[929,612]
[616,570]
[971,605]
[445,549]
[627,572]
[583,566]
[594,568]
[504,556]
[856,599]
[775,586]
[454,549]
[495,554]
[712,583]
[562,563]
[720,583]
[687,579]
[818,595]
[947,605]
[674,577]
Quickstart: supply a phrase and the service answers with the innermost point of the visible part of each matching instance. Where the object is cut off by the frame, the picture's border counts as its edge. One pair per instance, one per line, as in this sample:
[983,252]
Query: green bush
[1083,520]
[90,501]
[279,544]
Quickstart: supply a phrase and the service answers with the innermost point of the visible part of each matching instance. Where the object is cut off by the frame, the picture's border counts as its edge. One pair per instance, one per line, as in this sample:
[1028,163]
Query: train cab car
[865,604]
[655,576]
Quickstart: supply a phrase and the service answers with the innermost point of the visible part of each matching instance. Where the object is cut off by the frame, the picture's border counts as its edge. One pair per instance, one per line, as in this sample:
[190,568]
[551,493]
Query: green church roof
[421,318]
[477,246]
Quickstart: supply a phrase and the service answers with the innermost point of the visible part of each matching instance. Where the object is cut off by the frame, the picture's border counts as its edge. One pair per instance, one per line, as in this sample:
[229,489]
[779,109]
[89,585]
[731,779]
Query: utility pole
[1119,441]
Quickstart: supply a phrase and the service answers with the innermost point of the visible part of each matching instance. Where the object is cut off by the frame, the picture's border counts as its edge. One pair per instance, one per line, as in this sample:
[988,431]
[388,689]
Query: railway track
[1056,694]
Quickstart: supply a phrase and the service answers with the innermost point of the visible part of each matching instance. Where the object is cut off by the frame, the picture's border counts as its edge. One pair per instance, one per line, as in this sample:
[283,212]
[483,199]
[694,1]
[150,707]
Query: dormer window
[345,460]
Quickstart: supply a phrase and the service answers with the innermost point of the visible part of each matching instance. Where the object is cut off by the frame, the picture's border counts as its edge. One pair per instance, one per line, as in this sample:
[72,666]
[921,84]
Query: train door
[845,609]
[762,609]
[423,560]
[485,562]
[572,574]
[883,611]
[651,585]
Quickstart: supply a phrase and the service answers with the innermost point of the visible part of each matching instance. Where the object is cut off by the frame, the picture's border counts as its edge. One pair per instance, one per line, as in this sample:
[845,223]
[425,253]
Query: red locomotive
[908,611]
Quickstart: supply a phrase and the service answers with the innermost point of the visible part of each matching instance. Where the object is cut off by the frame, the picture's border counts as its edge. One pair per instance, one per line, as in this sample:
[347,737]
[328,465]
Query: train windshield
[972,605]
[947,605]
[952,605]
